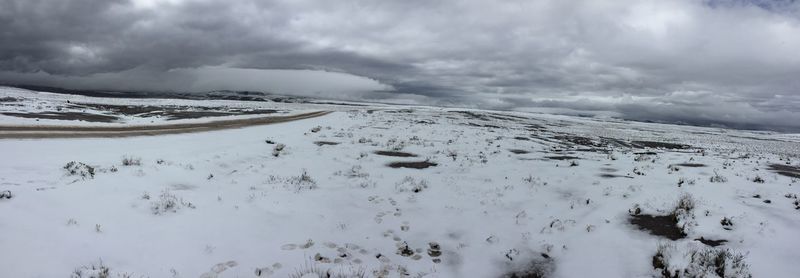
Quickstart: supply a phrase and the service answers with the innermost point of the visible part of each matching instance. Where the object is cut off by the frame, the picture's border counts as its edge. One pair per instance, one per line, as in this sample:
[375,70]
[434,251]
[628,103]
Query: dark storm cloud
[728,62]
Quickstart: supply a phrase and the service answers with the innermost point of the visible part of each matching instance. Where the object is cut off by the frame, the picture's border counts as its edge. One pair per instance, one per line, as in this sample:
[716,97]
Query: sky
[733,63]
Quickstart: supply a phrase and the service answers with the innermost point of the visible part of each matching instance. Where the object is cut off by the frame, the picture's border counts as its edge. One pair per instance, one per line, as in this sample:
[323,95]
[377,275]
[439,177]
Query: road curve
[43,131]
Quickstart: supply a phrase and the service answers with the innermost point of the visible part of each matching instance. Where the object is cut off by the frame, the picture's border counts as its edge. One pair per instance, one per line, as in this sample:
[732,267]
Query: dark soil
[413,165]
[611,176]
[71,116]
[660,145]
[562,157]
[324,143]
[578,140]
[395,154]
[786,170]
[537,268]
[659,225]
[518,151]
[691,165]
[711,242]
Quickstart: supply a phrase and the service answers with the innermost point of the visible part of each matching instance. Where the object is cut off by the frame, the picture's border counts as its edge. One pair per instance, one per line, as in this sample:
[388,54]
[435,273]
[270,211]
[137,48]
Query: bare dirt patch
[413,164]
[562,157]
[578,140]
[786,170]
[659,225]
[660,145]
[325,143]
[395,154]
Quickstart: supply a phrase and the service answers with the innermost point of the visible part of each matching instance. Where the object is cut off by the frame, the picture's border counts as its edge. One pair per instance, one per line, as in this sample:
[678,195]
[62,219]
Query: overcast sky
[718,62]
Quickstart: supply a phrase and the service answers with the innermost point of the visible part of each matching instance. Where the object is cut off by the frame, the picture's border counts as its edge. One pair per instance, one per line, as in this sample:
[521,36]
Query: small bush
[131,161]
[79,169]
[718,178]
[303,181]
[726,223]
[758,179]
[703,262]
[314,270]
[276,151]
[684,212]
[98,270]
[168,202]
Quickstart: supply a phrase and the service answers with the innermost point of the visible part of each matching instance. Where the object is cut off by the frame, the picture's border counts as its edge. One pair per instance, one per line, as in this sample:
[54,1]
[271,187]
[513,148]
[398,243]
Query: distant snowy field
[504,194]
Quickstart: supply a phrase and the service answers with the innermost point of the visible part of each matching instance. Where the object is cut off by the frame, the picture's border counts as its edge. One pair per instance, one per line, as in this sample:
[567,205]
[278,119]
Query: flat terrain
[395,191]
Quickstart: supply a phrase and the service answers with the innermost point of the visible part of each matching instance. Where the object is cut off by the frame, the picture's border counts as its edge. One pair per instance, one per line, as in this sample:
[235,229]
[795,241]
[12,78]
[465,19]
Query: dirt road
[36,132]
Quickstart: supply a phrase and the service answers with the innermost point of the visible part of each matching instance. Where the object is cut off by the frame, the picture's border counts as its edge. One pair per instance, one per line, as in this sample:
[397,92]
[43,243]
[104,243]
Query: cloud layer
[721,62]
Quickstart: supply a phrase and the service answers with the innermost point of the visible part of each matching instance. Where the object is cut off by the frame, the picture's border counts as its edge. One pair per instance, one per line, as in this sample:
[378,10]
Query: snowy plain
[507,194]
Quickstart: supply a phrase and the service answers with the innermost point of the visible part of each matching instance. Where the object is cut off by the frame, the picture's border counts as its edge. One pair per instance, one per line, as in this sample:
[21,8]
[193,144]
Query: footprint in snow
[219,268]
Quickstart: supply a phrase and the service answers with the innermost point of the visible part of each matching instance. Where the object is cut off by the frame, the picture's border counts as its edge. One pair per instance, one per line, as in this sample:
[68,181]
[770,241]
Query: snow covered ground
[504,194]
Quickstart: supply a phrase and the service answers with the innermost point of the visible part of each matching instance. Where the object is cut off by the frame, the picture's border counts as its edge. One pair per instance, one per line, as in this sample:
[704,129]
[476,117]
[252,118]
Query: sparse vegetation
[276,151]
[131,161]
[168,202]
[303,182]
[717,178]
[6,194]
[80,169]
[671,262]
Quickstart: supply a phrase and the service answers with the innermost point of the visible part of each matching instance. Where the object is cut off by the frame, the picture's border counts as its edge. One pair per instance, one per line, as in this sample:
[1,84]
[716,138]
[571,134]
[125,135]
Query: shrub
[131,161]
[276,151]
[684,212]
[702,262]
[79,169]
[303,181]
[168,202]
[718,178]
[6,194]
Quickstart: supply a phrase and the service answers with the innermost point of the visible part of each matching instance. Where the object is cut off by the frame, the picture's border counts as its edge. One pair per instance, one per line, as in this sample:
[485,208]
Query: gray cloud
[651,60]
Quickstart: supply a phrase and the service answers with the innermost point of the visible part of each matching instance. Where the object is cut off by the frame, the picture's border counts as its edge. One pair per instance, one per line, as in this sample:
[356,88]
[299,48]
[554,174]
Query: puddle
[413,165]
[562,157]
[611,176]
[395,153]
[711,242]
[692,165]
[323,143]
[659,225]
